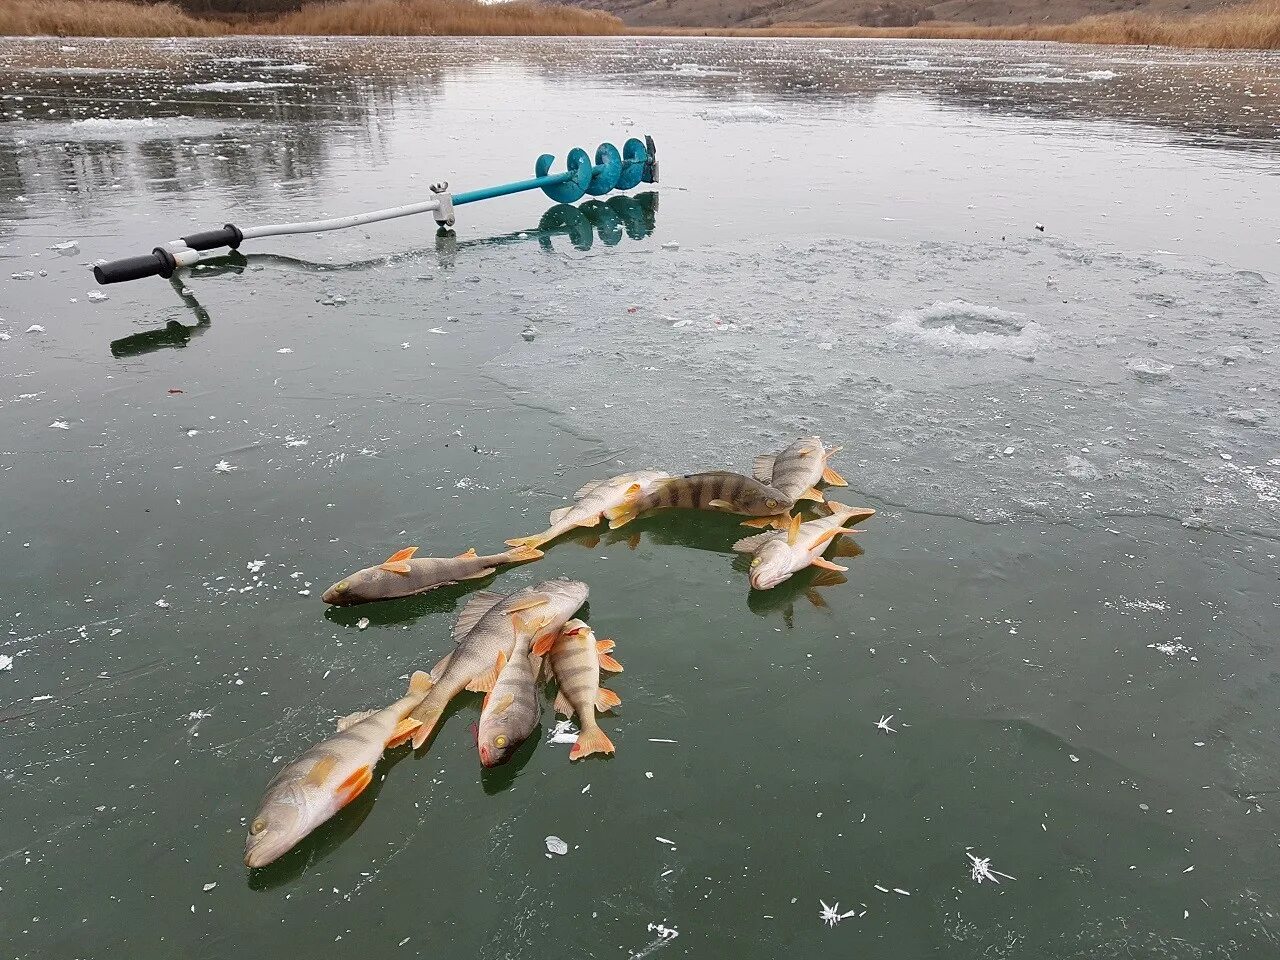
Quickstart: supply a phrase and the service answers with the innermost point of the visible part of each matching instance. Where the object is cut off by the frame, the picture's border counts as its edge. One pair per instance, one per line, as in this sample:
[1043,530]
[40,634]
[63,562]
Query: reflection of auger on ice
[624,215]
[613,170]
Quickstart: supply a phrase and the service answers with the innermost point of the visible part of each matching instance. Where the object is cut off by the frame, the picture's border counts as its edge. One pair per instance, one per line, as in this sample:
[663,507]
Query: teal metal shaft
[504,189]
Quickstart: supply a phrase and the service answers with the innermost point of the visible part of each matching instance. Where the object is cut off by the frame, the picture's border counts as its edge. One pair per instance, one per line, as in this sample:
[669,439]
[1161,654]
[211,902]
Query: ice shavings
[957,326]
[6,662]
[831,915]
[557,846]
[563,732]
[235,86]
[980,870]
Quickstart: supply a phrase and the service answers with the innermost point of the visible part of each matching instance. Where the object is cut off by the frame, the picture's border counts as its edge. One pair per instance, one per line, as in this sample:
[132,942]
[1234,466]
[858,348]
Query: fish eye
[757,561]
[771,502]
[341,586]
[257,826]
[499,742]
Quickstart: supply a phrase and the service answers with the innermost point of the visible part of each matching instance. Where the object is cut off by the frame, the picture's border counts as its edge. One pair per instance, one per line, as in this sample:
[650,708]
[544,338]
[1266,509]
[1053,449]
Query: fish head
[771,564]
[566,595]
[761,500]
[365,585]
[283,819]
[500,733]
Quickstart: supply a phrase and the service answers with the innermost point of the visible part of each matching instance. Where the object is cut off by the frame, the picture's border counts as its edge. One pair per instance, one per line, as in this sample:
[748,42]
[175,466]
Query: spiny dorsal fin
[762,470]
[560,514]
[476,607]
[751,544]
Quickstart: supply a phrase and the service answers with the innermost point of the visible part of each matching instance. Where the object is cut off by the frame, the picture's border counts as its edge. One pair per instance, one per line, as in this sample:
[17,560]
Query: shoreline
[1252,26]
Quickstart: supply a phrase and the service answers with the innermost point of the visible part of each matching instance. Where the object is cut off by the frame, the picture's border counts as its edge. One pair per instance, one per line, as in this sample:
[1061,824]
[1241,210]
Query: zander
[593,500]
[492,624]
[402,575]
[779,554]
[329,776]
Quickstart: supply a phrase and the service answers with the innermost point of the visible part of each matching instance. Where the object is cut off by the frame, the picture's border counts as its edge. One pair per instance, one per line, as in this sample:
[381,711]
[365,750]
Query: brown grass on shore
[104,18]
[115,18]
[1254,26]
[401,18]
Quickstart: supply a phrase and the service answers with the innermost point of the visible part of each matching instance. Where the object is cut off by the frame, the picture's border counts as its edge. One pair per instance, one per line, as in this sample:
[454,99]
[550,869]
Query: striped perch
[576,659]
[716,490]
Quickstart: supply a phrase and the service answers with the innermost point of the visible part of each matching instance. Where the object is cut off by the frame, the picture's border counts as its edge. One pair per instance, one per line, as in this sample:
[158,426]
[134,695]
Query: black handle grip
[158,263]
[228,236]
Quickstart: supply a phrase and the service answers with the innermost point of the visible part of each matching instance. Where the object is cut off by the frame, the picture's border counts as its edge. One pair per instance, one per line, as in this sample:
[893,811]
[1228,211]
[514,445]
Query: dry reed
[102,18]
[400,18]
[1252,26]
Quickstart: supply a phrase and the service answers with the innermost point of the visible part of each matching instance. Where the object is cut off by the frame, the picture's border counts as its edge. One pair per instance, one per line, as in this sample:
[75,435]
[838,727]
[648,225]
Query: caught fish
[576,659]
[402,575]
[716,490]
[593,499]
[779,554]
[329,776]
[492,624]
[511,708]
[797,471]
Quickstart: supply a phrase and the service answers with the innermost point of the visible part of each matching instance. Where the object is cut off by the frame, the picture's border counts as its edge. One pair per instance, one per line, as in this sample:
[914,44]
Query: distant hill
[878,13]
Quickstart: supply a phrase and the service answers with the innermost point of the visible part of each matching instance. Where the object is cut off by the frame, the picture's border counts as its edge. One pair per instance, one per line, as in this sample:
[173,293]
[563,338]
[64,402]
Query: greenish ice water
[1030,288]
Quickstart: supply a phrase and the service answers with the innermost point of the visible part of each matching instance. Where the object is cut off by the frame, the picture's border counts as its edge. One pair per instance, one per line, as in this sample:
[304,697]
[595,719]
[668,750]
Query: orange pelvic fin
[403,732]
[608,663]
[833,478]
[606,699]
[828,565]
[354,785]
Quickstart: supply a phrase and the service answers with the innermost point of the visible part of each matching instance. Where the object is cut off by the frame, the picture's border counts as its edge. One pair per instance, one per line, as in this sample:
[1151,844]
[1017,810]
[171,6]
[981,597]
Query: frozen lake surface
[1031,288]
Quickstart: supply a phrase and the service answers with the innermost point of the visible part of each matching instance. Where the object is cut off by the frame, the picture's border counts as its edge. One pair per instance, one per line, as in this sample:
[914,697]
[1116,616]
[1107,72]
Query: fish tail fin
[591,740]
[620,515]
[535,541]
[428,723]
[523,552]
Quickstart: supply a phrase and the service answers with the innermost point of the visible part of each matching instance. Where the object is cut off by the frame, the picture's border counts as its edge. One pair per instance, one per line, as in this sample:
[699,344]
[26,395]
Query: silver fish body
[403,575]
[327,777]
[778,554]
[591,502]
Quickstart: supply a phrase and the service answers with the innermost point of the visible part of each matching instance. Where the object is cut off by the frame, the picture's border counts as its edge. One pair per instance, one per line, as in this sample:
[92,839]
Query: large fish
[402,575]
[715,490]
[492,624]
[779,554]
[326,778]
[576,659]
[592,501]
[797,471]
[511,709]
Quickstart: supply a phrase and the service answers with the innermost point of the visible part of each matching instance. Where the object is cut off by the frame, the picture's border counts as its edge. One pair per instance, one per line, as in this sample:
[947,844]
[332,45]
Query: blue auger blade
[634,158]
[608,170]
[575,185]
